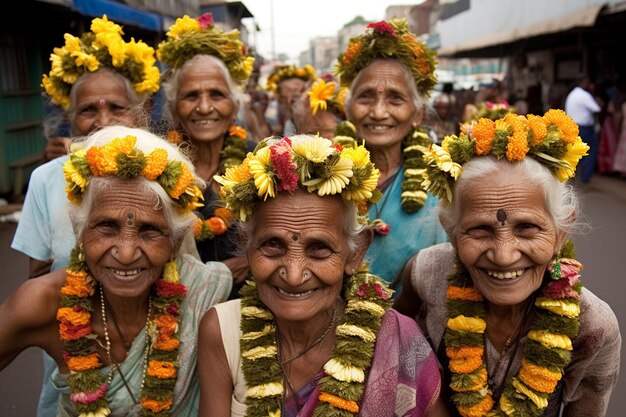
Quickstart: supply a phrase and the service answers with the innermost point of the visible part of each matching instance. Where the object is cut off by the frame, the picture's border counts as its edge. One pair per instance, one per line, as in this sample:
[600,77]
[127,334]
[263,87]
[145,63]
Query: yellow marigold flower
[183,25]
[256,312]
[237,131]
[83,363]
[116,47]
[100,412]
[151,82]
[315,150]
[477,410]
[258,168]
[359,155]
[140,52]
[265,390]
[104,25]
[77,318]
[364,305]
[155,164]
[465,365]
[568,129]
[575,151]
[537,126]
[540,402]
[235,175]
[339,402]
[184,180]
[161,369]
[464,294]
[274,413]
[353,330]
[459,352]
[505,405]
[341,98]
[170,272]
[560,307]
[467,324]
[551,340]
[353,49]
[483,131]
[156,405]
[345,373]
[260,352]
[73,176]
[267,329]
[444,161]
[319,94]
[337,181]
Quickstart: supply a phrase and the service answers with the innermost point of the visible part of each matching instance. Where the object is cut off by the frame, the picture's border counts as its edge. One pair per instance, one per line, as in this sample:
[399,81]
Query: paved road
[602,250]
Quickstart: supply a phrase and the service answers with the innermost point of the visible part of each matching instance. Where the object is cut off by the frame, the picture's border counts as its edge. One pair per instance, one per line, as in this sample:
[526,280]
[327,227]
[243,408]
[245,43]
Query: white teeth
[294,295]
[126,273]
[205,122]
[377,127]
[505,275]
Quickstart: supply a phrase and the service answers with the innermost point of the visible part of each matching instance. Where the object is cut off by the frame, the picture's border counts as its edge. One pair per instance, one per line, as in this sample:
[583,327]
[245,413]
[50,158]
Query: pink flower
[383,28]
[285,169]
[383,229]
[173,309]
[560,289]
[206,20]
[570,267]
[89,397]
[365,288]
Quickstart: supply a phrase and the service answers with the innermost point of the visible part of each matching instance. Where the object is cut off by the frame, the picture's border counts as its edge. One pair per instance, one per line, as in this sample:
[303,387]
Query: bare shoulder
[210,332]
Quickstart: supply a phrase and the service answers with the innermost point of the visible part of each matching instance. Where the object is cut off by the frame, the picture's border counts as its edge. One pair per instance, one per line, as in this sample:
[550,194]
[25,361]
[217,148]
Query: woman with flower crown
[390,75]
[97,79]
[312,334]
[201,102]
[121,321]
[503,303]
[320,109]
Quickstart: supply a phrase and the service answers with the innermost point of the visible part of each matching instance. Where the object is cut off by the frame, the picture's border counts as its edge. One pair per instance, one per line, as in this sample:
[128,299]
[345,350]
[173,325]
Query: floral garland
[552,140]
[546,353]
[368,298]
[324,96]
[214,226]
[120,157]
[388,40]
[88,386]
[284,72]
[415,143]
[312,162]
[102,47]
[492,110]
[189,37]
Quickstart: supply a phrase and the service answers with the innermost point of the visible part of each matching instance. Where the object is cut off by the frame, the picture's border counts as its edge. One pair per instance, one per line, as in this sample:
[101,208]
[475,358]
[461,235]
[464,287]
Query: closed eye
[272,247]
[319,250]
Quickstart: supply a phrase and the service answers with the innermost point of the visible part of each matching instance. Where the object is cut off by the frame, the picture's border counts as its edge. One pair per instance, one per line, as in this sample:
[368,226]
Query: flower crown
[325,96]
[552,140]
[493,110]
[120,157]
[189,37]
[102,47]
[311,162]
[388,40]
[283,72]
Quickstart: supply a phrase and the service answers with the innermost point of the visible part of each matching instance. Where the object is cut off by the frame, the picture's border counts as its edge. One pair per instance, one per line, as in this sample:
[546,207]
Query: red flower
[173,309]
[337,146]
[383,28]
[206,20]
[560,289]
[170,289]
[284,168]
[366,289]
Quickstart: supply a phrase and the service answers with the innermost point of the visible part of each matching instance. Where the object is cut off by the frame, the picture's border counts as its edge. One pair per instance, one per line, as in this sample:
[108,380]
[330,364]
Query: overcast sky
[296,21]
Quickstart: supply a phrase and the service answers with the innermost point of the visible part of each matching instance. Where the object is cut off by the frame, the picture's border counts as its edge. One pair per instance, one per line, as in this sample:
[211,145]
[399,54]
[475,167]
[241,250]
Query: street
[601,250]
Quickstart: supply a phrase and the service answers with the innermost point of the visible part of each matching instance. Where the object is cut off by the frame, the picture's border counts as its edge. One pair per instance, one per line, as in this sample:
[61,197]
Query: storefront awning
[119,13]
[580,18]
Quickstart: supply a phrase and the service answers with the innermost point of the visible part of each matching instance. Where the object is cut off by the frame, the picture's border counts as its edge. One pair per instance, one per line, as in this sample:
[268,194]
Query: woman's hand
[238,267]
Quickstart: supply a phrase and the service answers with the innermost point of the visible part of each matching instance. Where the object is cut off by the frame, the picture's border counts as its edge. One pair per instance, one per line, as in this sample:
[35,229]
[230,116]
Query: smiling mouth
[294,294]
[506,275]
[205,122]
[128,273]
[379,127]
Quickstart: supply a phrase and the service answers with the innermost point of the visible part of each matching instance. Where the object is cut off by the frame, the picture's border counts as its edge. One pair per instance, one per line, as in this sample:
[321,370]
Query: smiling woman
[121,320]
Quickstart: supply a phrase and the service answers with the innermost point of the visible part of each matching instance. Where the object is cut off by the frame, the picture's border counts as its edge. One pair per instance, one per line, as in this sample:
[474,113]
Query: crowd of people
[366,251]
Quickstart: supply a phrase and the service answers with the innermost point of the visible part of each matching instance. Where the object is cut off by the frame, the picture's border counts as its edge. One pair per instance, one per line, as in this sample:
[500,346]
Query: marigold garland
[88,386]
[367,297]
[102,47]
[552,140]
[538,376]
[284,72]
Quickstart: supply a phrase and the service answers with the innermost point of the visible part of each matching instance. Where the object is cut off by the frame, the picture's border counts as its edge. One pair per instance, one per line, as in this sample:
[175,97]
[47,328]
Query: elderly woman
[521,335]
[320,110]
[201,103]
[317,335]
[121,320]
[390,75]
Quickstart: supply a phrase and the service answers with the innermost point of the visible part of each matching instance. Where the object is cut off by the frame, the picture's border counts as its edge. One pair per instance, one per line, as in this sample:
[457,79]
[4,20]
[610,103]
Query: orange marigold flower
[167,344]
[166,324]
[460,352]
[483,131]
[539,378]
[217,226]
[83,363]
[339,402]
[155,405]
[538,129]
[466,364]
[224,214]
[465,294]
[477,410]
[197,227]
[69,332]
[161,370]
[77,285]
[517,148]
[353,49]
[174,137]
[155,164]
[567,127]
[76,317]
[184,180]
[99,164]
[237,131]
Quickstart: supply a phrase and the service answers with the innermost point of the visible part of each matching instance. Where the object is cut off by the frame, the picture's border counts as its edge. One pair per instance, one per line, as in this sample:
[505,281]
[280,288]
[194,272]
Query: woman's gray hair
[561,200]
[178,220]
[171,85]
[418,101]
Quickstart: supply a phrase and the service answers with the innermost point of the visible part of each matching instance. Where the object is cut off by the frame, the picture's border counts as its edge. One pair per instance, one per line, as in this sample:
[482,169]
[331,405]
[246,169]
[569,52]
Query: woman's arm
[216,384]
[408,301]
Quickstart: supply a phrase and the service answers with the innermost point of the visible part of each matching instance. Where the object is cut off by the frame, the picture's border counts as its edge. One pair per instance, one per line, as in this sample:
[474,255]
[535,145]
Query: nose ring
[305,276]
[282,271]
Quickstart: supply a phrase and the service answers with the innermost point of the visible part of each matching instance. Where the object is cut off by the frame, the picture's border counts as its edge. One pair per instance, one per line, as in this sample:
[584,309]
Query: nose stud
[282,272]
[198,108]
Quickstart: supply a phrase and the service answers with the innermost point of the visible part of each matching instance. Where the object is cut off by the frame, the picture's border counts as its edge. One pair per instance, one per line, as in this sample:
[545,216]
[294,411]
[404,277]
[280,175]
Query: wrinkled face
[299,254]
[381,106]
[205,106]
[101,100]
[289,91]
[126,239]
[506,237]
